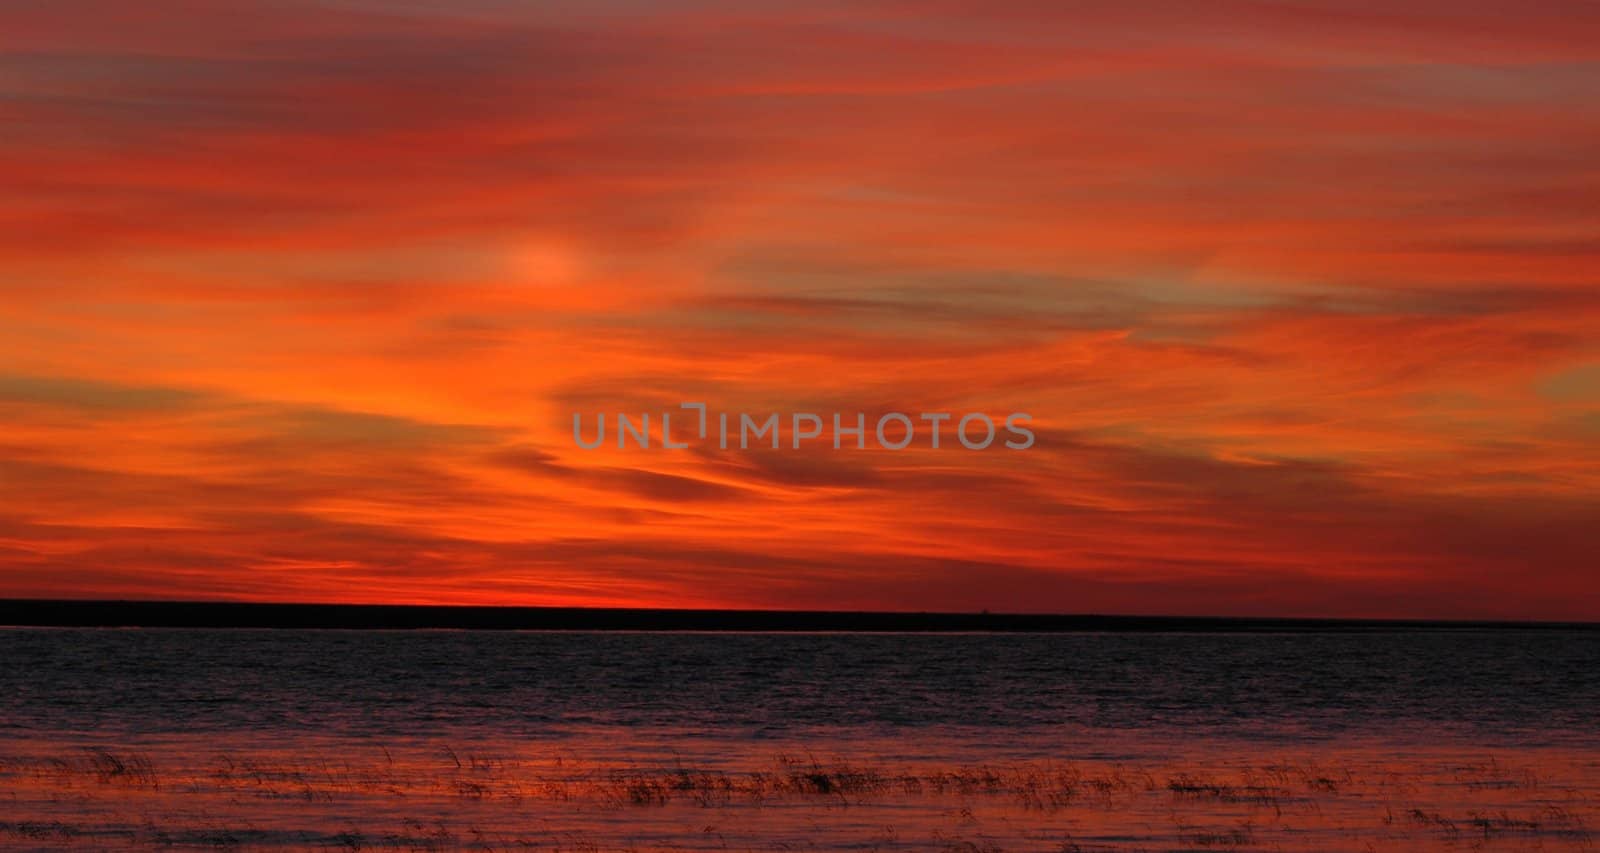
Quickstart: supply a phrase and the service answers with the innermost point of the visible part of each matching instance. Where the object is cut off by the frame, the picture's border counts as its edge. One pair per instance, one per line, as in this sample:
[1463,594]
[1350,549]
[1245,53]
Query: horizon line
[219,614]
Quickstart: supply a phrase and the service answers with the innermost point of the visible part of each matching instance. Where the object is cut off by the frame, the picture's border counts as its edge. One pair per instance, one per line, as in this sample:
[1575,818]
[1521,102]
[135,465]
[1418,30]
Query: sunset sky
[299,299]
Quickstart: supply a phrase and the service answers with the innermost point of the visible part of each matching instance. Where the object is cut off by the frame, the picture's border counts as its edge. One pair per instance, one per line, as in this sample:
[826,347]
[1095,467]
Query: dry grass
[454,801]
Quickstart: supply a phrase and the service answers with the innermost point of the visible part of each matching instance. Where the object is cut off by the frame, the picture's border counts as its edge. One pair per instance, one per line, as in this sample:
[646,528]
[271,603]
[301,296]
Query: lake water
[652,741]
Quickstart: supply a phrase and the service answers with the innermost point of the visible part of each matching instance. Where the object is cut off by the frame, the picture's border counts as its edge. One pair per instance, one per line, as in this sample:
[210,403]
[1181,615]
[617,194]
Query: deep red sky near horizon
[1304,298]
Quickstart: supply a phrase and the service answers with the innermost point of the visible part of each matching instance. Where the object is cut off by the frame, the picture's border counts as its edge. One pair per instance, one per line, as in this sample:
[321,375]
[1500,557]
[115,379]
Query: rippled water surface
[643,741]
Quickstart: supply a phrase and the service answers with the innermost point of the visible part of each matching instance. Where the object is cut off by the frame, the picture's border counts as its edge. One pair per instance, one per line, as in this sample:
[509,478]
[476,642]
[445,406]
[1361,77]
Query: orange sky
[1304,298]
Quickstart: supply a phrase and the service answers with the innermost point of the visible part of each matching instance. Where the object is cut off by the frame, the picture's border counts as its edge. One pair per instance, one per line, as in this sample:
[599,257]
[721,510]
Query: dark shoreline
[176,614]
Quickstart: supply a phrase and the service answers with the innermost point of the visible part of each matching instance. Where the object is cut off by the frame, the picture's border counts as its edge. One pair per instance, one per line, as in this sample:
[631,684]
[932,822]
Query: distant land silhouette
[203,614]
